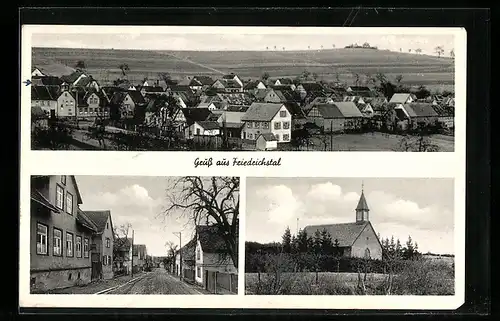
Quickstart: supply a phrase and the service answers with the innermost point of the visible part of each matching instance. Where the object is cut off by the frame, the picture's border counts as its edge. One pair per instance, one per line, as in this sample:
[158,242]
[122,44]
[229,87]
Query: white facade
[367,243]
[197,130]
[66,105]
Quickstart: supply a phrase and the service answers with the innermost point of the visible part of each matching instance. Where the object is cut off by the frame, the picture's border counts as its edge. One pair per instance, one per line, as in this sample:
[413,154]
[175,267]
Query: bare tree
[356,78]
[439,50]
[208,199]
[124,68]
[418,51]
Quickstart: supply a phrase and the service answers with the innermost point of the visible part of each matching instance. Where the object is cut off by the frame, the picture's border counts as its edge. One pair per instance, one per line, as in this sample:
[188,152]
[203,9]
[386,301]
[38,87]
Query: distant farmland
[416,69]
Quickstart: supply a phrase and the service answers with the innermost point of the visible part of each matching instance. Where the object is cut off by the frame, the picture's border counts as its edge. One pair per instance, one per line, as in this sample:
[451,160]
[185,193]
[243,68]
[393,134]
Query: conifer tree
[287,241]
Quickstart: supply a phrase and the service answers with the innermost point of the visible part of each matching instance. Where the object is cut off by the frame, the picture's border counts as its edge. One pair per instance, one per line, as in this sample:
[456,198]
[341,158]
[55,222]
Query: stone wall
[42,281]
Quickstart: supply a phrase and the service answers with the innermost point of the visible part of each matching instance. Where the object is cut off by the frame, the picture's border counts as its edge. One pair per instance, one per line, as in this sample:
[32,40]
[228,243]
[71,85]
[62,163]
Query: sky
[233,41]
[138,201]
[416,207]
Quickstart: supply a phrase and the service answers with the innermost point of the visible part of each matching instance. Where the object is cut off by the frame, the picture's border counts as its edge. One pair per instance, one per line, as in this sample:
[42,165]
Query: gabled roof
[99,218]
[285,81]
[295,110]
[208,125]
[71,78]
[312,86]
[136,96]
[230,83]
[252,85]
[47,81]
[400,98]
[195,114]
[179,88]
[78,195]
[348,109]
[359,88]
[44,92]
[38,197]
[211,239]
[202,80]
[420,110]
[229,76]
[329,111]
[269,137]
[152,89]
[261,112]
[38,113]
[237,108]
[84,220]
[345,233]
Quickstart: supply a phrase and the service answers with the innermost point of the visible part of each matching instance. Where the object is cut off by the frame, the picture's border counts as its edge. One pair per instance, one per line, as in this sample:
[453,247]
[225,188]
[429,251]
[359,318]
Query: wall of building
[49,280]
[252,131]
[367,240]
[66,105]
[262,144]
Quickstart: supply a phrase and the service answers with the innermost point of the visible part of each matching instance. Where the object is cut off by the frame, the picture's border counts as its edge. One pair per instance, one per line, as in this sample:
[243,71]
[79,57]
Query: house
[122,258]
[152,90]
[92,104]
[36,72]
[232,77]
[209,105]
[306,88]
[188,117]
[230,122]
[200,83]
[102,242]
[73,79]
[355,99]
[45,97]
[402,98]
[46,81]
[202,128]
[289,87]
[127,102]
[212,256]
[336,117]
[298,115]
[283,82]
[66,104]
[358,89]
[86,82]
[226,99]
[266,141]
[446,115]
[267,118]
[356,239]
[60,236]
[374,106]
[139,260]
[412,115]
[253,86]
[273,97]
[185,261]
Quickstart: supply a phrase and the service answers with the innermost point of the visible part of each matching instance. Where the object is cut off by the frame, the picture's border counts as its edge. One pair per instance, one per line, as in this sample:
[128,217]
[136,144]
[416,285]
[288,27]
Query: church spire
[362,209]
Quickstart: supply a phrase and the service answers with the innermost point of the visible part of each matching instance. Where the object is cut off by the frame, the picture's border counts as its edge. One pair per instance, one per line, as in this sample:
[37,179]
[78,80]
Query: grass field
[431,71]
[375,142]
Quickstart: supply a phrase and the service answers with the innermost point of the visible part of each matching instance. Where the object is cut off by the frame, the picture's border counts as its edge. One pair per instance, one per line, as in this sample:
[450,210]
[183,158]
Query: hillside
[416,69]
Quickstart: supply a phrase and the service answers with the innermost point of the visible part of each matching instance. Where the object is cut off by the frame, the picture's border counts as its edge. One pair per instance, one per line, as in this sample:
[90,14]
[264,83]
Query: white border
[294,164]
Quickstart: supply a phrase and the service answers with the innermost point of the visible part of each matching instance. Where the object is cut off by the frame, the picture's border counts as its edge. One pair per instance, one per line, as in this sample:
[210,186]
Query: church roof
[345,233]
[362,205]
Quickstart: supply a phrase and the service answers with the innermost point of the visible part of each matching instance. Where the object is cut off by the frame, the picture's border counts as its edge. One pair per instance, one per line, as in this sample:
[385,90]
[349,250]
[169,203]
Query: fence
[219,282]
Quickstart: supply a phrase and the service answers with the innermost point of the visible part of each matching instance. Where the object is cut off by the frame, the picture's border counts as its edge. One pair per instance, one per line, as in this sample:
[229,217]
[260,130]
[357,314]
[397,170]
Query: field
[374,142]
[423,277]
[103,64]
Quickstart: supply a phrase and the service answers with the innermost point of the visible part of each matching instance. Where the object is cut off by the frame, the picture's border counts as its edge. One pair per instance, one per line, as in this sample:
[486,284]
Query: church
[355,239]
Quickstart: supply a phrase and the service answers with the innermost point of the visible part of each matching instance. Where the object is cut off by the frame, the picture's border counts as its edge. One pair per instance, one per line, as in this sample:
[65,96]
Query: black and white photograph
[134,235]
[350,236]
[241,89]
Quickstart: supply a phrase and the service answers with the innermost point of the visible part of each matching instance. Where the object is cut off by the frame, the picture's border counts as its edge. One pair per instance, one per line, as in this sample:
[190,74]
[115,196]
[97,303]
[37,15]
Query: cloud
[280,203]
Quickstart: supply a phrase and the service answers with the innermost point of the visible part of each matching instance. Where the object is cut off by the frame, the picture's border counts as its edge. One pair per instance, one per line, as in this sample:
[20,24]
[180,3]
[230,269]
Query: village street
[158,281]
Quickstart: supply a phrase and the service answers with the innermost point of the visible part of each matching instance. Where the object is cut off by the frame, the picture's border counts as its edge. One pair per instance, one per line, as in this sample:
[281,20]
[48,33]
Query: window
[41,239]
[107,226]
[69,203]
[63,179]
[104,260]
[277,125]
[286,125]
[286,137]
[277,137]
[257,125]
[198,131]
[108,242]
[283,113]
[198,271]
[109,260]
[198,254]
[78,246]
[250,136]
[69,244]
[59,197]
[265,125]
[57,244]
[80,110]
[85,247]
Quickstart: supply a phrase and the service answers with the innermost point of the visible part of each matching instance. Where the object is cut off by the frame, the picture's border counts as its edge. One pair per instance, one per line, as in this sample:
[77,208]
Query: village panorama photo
[240,89]
[134,235]
[350,236]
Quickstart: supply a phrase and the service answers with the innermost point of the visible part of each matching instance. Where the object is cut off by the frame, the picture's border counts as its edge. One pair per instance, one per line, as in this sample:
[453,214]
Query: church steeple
[362,210]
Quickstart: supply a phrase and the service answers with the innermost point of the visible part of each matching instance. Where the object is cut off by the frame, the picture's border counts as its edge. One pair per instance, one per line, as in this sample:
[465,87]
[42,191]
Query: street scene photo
[350,236]
[241,89]
[134,235]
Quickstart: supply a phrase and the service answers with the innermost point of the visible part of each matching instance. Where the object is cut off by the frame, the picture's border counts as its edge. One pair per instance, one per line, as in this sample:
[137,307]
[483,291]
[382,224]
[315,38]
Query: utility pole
[132,257]
[179,234]
[297,232]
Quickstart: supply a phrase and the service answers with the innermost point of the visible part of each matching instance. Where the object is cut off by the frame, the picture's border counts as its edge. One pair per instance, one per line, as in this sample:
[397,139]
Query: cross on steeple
[362,209]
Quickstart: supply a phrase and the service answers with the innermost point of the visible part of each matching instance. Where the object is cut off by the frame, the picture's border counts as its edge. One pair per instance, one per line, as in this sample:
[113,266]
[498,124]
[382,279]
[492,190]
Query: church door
[367,253]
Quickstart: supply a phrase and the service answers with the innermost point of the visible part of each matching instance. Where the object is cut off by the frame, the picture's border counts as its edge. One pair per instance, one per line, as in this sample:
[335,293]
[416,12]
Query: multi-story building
[263,118]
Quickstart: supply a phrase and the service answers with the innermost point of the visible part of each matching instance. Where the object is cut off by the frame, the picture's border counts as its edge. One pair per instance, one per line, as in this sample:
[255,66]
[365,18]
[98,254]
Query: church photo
[350,236]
